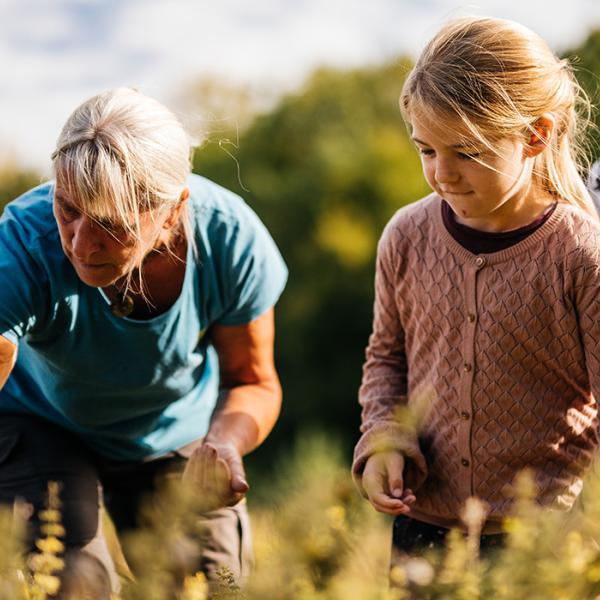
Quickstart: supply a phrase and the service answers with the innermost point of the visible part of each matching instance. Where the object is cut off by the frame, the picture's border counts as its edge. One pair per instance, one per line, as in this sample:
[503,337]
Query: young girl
[486,318]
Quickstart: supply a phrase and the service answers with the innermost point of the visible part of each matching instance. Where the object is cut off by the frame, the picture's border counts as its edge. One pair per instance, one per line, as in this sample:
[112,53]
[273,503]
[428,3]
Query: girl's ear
[540,138]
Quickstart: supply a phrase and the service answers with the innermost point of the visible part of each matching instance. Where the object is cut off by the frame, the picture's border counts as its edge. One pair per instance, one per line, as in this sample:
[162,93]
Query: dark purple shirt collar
[484,242]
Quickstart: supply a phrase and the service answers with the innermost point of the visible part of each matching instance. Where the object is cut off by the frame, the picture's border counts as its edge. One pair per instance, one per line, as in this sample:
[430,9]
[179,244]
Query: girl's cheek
[429,176]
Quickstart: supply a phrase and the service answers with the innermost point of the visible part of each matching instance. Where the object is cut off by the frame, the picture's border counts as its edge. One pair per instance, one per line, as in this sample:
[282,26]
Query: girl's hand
[383,483]
[216,471]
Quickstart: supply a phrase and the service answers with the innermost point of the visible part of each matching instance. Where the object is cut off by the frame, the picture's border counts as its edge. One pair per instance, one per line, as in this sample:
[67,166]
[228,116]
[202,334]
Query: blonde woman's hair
[498,78]
[121,153]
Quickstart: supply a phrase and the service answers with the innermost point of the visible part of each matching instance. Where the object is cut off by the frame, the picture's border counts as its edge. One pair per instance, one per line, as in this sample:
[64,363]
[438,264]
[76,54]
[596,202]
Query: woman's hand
[383,482]
[216,471]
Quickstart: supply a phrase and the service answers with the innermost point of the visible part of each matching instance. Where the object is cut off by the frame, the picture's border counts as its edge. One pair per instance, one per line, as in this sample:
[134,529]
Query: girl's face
[100,252]
[487,190]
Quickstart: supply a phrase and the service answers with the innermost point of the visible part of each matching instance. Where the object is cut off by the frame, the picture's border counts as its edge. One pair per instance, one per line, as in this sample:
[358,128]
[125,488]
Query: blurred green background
[325,168]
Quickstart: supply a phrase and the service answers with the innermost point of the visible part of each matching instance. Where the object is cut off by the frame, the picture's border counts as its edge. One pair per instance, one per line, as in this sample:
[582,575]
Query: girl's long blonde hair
[121,153]
[499,78]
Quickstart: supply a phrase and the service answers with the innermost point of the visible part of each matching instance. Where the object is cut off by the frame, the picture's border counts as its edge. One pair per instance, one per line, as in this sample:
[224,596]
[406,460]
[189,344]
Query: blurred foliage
[586,62]
[14,181]
[316,539]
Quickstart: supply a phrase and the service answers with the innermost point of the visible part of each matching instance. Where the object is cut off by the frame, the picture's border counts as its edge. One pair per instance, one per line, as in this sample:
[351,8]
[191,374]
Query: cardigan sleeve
[587,302]
[386,420]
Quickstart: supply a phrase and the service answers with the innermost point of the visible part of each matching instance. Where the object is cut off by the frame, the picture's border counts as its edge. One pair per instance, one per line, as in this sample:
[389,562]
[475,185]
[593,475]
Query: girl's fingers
[372,482]
[401,510]
[384,501]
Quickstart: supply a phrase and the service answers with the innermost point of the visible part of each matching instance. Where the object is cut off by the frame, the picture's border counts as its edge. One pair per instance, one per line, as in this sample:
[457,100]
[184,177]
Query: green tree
[586,62]
[15,180]
[325,170]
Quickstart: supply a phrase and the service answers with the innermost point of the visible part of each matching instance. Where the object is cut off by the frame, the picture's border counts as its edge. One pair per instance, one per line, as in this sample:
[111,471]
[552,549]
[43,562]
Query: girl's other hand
[383,483]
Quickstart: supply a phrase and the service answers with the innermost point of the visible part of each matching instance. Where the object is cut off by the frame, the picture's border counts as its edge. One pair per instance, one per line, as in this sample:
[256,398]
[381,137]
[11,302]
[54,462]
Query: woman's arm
[248,406]
[250,397]
[8,356]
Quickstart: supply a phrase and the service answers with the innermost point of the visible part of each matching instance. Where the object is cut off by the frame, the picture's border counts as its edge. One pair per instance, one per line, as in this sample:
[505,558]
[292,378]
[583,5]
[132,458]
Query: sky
[56,53]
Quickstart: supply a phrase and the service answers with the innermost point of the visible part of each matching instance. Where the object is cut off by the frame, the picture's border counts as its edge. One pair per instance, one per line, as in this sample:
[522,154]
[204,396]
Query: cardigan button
[465,415]
[470,317]
[467,367]
[480,261]
[464,462]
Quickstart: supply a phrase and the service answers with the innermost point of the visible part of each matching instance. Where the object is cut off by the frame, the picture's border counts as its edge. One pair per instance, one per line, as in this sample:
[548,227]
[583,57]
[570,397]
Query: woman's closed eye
[67,213]
[117,230]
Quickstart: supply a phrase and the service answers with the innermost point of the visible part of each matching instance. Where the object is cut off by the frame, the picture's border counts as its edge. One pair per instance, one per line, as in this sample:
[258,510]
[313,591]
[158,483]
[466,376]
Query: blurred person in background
[136,336]
[593,184]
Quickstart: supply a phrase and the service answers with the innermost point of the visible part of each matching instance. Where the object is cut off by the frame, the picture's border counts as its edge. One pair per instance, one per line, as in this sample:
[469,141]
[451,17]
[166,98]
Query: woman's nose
[87,238]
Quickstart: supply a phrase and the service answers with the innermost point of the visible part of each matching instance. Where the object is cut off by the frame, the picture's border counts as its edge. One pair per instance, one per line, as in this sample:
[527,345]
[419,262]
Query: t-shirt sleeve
[21,281]
[251,269]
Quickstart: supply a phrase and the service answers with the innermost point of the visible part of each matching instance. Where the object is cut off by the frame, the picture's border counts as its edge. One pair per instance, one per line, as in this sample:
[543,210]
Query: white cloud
[55,54]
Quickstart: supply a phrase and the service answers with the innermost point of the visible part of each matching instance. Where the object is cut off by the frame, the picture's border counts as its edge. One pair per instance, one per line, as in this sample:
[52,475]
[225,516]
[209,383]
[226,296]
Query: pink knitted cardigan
[482,365]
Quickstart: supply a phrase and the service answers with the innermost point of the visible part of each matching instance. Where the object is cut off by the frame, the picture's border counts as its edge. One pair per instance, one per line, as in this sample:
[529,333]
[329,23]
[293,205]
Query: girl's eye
[468,155]
[426,151]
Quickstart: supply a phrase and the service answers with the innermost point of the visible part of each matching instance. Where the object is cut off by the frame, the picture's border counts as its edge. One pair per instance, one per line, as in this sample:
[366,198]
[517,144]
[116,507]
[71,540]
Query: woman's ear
[173,217]
[540,137]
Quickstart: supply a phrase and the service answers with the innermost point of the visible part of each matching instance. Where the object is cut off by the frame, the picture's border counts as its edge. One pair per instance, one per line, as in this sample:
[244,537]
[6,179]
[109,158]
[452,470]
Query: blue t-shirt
[131,388]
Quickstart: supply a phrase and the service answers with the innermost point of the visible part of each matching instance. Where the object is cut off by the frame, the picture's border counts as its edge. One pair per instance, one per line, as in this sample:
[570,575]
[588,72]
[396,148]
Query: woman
[136,322]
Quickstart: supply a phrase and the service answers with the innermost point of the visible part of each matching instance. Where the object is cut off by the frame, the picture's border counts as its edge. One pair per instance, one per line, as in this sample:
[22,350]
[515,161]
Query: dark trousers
[34,452]
[412,537]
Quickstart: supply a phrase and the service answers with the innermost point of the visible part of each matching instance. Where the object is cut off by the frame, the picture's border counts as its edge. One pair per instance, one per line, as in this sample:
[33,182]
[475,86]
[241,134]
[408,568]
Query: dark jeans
[34,451]
[414,537]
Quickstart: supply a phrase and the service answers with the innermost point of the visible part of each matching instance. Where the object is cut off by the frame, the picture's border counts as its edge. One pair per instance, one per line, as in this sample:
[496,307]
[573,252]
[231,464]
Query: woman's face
[101,252]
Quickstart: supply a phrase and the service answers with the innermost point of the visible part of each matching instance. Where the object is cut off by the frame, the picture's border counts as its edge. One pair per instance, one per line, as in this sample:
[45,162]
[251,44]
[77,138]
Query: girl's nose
[445,172]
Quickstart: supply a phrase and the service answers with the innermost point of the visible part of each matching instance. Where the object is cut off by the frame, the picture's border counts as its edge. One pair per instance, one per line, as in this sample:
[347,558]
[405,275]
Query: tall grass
[315,538]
